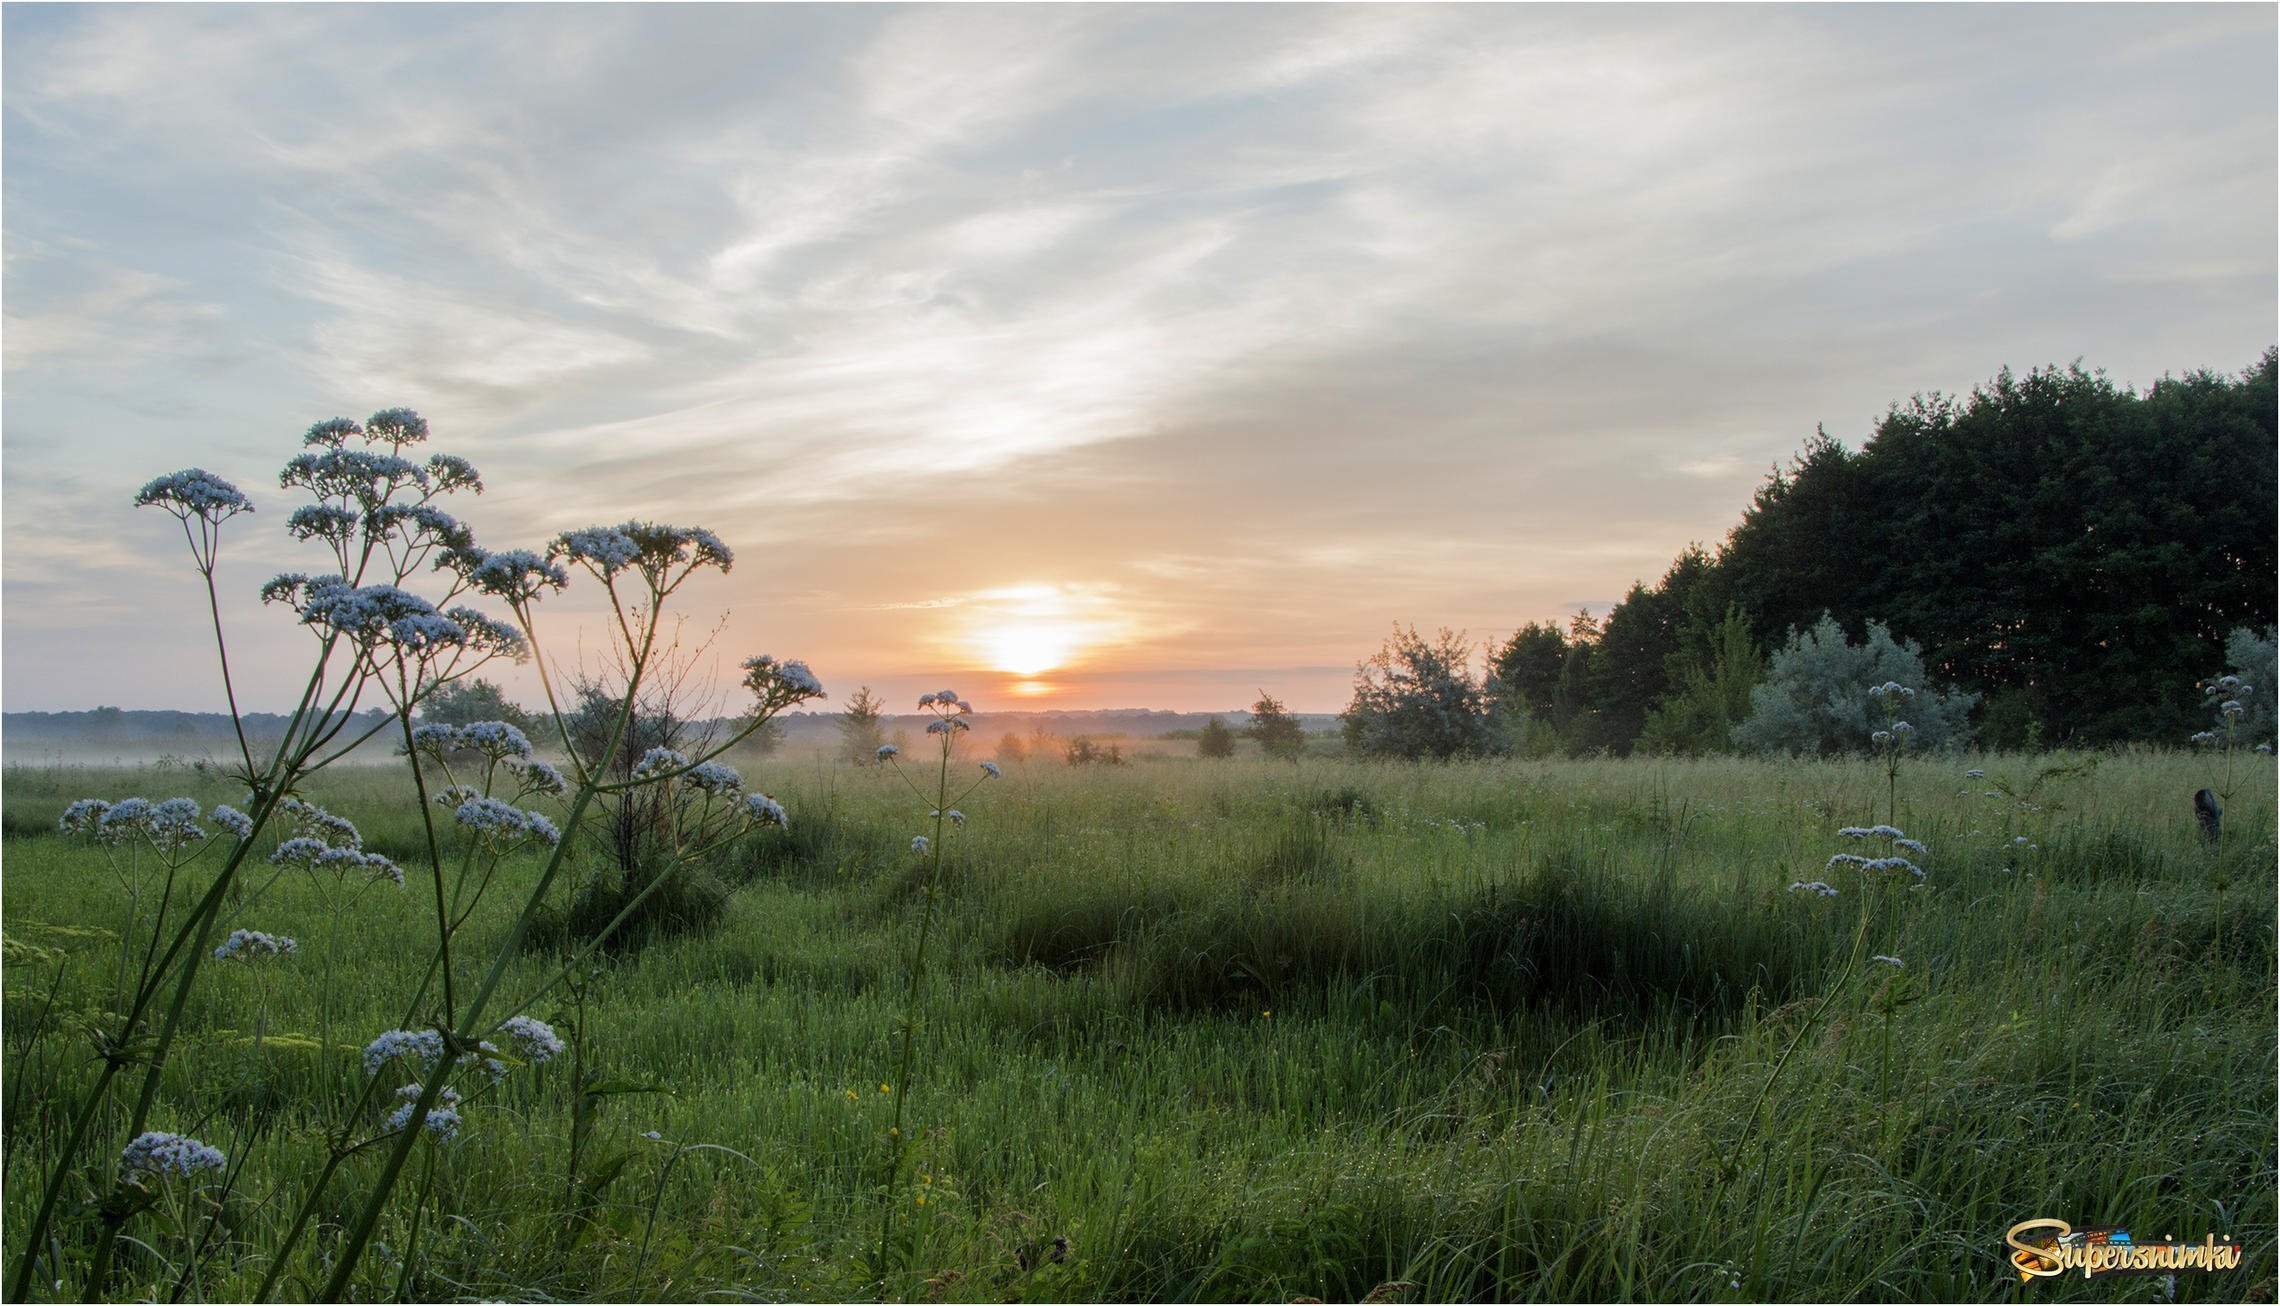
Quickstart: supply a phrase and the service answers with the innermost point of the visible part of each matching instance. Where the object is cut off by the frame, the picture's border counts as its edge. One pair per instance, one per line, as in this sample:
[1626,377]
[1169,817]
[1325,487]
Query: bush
[1815,695]
[1278,733]
[2255,659]
[1215,740]
[1416,699]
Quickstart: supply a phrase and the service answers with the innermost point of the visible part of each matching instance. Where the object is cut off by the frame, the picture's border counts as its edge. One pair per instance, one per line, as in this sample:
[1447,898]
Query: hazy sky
[1186,347]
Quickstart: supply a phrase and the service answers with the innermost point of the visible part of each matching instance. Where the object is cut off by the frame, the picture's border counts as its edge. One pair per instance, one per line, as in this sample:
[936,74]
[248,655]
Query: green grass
[1254,1031]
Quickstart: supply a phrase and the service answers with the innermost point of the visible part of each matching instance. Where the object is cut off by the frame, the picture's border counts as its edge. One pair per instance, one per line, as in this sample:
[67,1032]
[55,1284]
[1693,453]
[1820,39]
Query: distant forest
[2072,552]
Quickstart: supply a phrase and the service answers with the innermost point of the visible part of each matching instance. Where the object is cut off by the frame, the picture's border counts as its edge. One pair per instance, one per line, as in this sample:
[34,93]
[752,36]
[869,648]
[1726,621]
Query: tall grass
[1240,1030]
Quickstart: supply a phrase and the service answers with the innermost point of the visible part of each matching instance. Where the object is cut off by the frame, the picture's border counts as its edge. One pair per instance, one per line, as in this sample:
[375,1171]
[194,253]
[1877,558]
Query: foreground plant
[950,713]
[377,514]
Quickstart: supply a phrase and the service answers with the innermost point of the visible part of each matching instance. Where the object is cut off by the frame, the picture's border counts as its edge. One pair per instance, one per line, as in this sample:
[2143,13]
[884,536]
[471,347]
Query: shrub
[1416,699]
[1814,698]
[1278,733]
[1215,740]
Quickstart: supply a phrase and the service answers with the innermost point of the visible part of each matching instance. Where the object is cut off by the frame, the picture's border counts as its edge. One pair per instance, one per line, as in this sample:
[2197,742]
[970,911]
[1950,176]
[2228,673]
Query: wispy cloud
[1243,330]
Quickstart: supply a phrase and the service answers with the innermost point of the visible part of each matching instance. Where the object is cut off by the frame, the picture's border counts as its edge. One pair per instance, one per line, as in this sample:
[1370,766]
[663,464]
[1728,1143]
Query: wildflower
[2204,737]
[121,820]
[424,1045]
[654,1137]
[397,426]
[1845,859]
[534,1039]
[322,521]
[194,492]
[1902,729]
[232,820]
[449,472]
[83,817]
[2265,749]
[159,1153]
[1894,962]
[1881,738]
[443,1115]
[2232,707]
[1975,774]
[494,739]
[780,684]
[1911,845]
[1875,831]
[918,843]
[246,945]
[946,726]
[538,777]
[333,432]
[516,575]
[991,770]
[358,474]
[313,822]
[926,700]
[713,778]
[658,762]
[454,795]
[764,810]
[887,753]
[945,695]
[1816,887]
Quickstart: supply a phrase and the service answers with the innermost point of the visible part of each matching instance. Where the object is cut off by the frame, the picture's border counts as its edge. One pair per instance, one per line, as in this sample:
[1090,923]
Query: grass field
[1250,1031]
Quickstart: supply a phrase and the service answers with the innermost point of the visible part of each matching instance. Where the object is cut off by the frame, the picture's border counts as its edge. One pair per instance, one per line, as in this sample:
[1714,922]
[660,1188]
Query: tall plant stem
[896,1142]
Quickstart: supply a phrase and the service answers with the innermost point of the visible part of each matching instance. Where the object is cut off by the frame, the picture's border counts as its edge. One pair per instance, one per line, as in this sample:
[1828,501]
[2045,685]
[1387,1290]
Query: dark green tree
[1215,740]
[1276,731]
[862,726]
[463,702]
[1417,698]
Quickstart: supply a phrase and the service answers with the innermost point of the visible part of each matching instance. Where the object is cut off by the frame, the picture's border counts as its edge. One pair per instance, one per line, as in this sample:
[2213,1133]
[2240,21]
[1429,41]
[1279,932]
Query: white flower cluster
[888,752]
[779,685]
[1891,688]
[538,777]
[494,739]
[194,492]
[384,615]
[423,1045]
[318,824]
[443,1115]
[245,945]
[991,770]
[954,816]
[1818,888]
[1894,962]
[232,820]
[160,1153]
[535,1040]
[659,762]
[168,826]
[760,809]
[1870,865]
[945,701]
[652,547]
[713,778]
[517,575]
[918,844]
[501,823]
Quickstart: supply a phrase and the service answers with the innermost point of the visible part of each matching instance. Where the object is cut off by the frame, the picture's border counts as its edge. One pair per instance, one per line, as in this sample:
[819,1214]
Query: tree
[1816,695]
[862,728]
[1216,740]
[1713,682]
[1524,675]
[464,702]
[1010,748]
[1417,699]
[1277,732]
[2255,657]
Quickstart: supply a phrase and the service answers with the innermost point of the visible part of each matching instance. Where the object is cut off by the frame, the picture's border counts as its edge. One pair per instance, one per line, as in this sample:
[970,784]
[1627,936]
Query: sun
[1028,648]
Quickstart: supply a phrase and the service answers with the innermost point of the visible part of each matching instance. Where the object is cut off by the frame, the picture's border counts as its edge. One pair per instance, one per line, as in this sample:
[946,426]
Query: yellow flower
[884,1089]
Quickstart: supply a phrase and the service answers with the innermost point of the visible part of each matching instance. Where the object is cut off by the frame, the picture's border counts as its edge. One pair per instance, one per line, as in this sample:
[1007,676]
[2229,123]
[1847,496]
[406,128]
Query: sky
[1071,357]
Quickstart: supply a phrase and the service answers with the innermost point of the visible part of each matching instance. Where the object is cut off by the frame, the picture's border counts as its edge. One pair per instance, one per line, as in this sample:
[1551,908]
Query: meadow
[1238,1030]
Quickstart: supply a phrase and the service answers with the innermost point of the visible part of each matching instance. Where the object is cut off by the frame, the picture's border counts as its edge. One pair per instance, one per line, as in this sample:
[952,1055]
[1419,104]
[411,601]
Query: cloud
[1274,323]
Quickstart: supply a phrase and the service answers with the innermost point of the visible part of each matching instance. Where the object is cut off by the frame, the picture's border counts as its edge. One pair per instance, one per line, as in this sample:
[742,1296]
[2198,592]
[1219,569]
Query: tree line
[2063,558]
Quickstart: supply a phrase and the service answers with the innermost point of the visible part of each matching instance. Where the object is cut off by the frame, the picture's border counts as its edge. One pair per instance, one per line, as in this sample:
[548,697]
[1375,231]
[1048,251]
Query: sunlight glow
[1026,630]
